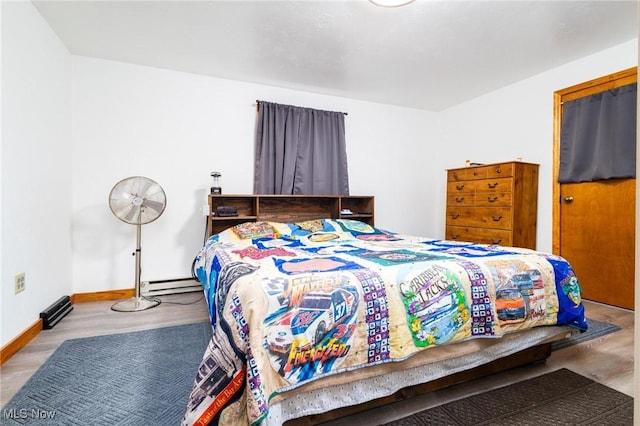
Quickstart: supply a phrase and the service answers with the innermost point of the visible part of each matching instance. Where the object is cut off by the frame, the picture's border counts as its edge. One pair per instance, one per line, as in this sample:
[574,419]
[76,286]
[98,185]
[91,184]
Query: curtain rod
[258,105]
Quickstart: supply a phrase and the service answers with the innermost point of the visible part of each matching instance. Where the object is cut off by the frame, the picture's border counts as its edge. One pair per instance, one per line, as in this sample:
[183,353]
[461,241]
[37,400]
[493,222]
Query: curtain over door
[598,136]
[300,151]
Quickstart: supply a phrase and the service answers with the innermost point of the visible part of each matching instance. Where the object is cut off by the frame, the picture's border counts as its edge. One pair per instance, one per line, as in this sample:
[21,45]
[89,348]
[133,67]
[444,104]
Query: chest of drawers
[493,204]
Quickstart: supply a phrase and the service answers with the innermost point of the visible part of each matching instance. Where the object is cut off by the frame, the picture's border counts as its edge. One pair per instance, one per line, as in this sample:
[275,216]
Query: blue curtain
[598,136]
[300,151]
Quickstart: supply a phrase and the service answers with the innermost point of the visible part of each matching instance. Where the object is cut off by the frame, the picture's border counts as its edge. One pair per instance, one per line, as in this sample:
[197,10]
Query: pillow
[311,225]
[253,230]
[356,227]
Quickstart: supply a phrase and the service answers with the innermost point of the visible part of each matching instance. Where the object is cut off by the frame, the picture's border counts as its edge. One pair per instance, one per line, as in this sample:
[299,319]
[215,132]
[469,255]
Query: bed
[328,315]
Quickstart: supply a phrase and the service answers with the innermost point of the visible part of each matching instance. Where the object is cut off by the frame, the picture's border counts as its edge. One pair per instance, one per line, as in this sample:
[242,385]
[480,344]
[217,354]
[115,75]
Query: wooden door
[594,222]
[597,233]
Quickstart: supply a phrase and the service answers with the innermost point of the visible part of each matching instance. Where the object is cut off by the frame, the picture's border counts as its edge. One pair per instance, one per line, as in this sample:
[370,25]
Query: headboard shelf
[288,208]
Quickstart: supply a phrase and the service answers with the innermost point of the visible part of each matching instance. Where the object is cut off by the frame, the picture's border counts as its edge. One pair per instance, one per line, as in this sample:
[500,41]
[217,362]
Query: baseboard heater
[170,286]
[54,313]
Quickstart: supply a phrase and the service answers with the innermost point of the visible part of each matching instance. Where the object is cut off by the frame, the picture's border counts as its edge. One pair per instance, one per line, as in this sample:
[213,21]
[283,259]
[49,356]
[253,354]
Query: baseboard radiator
[54,313]
[171,286]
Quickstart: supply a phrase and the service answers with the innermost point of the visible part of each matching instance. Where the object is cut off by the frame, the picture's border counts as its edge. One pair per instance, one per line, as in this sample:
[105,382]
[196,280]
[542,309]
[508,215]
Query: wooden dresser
[493,204]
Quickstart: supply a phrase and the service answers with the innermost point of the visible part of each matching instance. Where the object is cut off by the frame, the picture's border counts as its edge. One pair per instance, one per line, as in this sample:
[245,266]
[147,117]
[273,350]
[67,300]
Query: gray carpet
[596,329]
[561,397]
[137,378]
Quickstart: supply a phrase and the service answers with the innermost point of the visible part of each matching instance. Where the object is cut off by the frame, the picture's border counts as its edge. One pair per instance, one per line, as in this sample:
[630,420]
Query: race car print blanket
[292,303]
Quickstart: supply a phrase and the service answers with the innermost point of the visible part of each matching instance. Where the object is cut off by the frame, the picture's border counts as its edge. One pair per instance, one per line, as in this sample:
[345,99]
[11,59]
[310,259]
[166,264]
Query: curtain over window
[598,136]
[300,151]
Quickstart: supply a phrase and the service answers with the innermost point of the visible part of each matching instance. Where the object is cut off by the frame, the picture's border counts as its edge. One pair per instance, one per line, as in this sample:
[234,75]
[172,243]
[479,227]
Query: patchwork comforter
[294,303]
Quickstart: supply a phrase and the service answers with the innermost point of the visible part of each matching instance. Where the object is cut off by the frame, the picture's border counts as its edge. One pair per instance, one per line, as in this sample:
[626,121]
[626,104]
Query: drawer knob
[455,216]
[459,199]
[498,170]
[492,200]
[496,241]
[496,219]
[568,200]
[455,236]
[492,185]
[459,187]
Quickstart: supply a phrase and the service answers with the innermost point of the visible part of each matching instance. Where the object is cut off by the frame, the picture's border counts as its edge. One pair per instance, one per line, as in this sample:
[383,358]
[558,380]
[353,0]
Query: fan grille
[137,200]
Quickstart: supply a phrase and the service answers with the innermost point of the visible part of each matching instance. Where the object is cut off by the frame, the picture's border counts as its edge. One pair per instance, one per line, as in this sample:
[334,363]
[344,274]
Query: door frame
[611,81]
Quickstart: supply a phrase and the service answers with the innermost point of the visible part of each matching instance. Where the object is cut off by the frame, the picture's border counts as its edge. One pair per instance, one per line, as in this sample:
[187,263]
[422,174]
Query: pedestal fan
[137,200]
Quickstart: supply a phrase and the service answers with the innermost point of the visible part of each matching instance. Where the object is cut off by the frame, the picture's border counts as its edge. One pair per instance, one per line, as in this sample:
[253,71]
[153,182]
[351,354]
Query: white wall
[35,186]
[517,121]
[176,128]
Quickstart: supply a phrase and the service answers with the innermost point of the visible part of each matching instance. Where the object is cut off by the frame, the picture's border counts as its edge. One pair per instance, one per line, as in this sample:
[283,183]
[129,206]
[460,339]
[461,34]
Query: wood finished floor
[607,360]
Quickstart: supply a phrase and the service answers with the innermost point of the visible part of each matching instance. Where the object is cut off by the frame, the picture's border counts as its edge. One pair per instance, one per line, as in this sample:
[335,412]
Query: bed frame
[534,354]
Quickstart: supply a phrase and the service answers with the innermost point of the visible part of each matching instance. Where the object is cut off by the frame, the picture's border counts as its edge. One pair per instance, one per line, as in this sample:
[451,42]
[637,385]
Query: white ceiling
[428,54]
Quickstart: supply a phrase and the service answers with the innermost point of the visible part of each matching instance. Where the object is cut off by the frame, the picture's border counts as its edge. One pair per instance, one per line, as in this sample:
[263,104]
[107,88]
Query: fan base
[134,304]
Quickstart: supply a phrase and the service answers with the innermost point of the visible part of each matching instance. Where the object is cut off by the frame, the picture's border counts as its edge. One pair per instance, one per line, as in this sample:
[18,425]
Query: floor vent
[171,286]
[54,313]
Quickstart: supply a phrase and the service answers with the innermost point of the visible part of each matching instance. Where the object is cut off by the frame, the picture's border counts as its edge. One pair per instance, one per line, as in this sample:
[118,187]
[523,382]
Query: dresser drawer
[500,170]
[490,185]
[485,185]
[482,172]
[456,187]
[493,199]
[457,175]
[481,217]
[474,173]
[467,173]
[478,235]
[461,199]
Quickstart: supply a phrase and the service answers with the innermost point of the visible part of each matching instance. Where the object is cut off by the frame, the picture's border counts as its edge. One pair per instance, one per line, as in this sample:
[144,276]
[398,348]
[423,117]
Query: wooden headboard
[288,208]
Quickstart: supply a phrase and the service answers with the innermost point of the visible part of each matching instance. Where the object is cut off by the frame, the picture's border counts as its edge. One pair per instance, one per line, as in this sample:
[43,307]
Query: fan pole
[137,303]
[138,254]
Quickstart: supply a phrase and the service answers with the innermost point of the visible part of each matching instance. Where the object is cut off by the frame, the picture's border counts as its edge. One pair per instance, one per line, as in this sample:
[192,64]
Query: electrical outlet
[20,282]
[205,210]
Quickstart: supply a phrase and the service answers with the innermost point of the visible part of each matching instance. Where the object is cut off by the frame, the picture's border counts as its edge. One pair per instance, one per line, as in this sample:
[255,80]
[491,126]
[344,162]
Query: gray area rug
[561,397]
[596,329]
[136,378]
